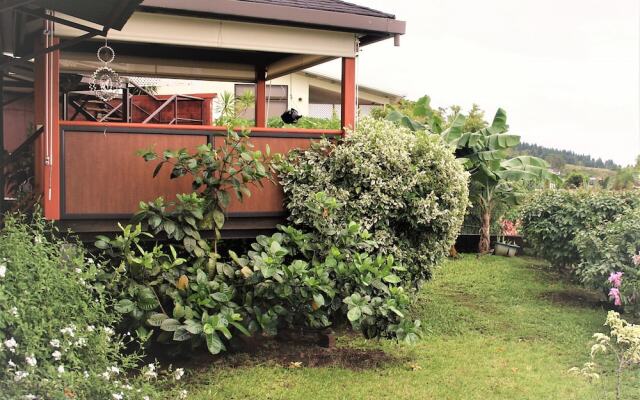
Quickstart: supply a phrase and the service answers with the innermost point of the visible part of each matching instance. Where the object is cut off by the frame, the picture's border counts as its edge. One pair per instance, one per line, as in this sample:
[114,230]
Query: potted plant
[505,248]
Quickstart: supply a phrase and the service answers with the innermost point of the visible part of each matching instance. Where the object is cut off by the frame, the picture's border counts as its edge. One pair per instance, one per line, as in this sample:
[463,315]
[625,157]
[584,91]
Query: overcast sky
[566,71]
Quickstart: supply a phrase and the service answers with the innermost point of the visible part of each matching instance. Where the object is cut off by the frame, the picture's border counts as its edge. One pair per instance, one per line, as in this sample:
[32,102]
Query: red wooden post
[348,112]
[47,113]
[261,97]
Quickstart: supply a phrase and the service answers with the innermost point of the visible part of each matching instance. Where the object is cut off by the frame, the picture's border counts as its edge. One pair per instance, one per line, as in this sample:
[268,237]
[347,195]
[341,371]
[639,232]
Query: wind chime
[105,82]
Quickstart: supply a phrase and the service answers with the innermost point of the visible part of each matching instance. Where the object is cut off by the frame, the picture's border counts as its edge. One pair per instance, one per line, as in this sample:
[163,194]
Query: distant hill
[559,158]
[600,173]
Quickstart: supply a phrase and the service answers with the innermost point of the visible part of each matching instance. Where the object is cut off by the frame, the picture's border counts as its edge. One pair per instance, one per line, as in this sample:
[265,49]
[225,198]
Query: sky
[566,71]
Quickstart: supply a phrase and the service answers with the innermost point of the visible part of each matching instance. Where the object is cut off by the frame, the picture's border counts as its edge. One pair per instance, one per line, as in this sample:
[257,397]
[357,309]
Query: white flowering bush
[55,336]
[406,188]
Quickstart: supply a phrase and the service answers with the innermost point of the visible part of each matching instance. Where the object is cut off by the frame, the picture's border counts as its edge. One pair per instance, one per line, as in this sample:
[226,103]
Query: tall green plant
[484,153]
[216,172]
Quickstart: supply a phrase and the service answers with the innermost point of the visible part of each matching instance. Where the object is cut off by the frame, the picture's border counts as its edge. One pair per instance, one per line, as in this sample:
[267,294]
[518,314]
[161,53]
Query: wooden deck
[102,179]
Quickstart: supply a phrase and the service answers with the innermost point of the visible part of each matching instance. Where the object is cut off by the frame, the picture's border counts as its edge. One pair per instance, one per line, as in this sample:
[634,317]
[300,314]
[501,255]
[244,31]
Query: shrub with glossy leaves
[551,219]
[287,280]
[613,248]
[406,188]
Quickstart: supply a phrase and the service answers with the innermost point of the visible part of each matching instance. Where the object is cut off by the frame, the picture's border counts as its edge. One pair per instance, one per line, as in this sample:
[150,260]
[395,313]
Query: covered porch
[87,174]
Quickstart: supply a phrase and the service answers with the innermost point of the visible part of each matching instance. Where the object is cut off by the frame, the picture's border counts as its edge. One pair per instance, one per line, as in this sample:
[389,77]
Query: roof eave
[371,27]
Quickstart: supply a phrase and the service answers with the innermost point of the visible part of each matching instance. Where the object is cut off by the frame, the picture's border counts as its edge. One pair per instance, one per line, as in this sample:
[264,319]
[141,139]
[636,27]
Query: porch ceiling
[21,21]
[207,47]
[160,60]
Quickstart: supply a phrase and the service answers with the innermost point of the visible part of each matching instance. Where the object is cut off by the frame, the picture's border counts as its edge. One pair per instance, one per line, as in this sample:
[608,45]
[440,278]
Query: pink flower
[636,260]
[509,228]
[616,279]
[614,293]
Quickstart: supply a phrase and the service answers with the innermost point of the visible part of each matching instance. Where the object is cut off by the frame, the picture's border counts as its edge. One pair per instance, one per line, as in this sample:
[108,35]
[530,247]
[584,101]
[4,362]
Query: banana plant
[485,155]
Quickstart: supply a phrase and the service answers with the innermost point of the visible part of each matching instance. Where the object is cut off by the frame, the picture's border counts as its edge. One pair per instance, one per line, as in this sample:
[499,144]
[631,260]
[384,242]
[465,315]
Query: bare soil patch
[576,297]
[289,354]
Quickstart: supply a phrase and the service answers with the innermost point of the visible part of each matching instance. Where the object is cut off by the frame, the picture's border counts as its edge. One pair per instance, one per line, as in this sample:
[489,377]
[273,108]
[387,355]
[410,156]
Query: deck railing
[103,178]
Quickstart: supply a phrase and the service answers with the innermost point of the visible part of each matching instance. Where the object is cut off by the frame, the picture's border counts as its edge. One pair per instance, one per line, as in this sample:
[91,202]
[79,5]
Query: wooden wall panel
[103,174]
[269,198]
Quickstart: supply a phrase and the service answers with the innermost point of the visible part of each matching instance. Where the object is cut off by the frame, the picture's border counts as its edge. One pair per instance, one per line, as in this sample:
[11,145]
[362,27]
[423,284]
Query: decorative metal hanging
[105,82]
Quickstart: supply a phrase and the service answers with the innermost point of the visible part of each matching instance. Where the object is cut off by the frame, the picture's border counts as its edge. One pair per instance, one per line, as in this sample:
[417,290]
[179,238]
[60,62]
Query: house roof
[327,5]
[336,15]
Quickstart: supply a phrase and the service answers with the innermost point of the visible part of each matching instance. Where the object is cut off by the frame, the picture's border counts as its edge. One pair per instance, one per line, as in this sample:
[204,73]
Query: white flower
[29,397]
[70,330]
[114,370]
[183,394]
[108,331]
[11,344]
[150,371]
[146,398]
[85,374]
[31,360]
[3,270]
[56,355]
[117,396]
[78,270]
[20,375]
[91,328]
[13,311]
[54,343]
[11,363]
[178,373]
[106,375]
[37,239]
[81,342]
[61,369]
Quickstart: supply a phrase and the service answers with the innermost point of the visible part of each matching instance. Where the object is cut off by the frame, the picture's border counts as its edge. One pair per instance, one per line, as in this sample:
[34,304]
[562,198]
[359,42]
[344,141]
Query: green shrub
[551,219]
[55,328]
[406,188]
[290,279]
[609,248]
[307,123]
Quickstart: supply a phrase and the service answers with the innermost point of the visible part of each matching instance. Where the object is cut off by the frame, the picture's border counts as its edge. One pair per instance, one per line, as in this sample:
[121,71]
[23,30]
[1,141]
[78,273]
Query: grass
[492,331]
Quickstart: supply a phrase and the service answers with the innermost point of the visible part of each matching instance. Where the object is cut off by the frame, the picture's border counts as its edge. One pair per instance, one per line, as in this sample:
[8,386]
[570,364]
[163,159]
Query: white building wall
[298,93]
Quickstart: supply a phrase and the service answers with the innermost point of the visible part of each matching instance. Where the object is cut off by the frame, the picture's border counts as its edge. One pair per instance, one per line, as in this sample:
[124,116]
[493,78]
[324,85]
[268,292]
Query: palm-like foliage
[485,154]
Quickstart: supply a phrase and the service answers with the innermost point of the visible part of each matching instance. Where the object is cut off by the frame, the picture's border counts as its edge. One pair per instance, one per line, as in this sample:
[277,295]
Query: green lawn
[495,328]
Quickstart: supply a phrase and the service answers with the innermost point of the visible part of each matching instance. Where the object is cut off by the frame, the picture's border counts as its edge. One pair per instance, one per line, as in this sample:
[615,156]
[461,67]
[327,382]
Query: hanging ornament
[105,82]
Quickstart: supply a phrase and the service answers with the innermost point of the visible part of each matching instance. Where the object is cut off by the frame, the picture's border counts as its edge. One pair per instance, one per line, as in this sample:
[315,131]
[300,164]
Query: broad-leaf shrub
[551,219]
[216,172]
[406,188]
[56,339]
[609,249]
[290,279]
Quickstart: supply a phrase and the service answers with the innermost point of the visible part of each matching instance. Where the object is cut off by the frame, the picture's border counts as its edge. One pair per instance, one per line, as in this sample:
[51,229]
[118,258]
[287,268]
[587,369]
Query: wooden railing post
[261,97]
[348,106]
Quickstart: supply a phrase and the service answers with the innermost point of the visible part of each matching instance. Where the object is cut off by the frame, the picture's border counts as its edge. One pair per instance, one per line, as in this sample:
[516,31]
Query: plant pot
[505,249]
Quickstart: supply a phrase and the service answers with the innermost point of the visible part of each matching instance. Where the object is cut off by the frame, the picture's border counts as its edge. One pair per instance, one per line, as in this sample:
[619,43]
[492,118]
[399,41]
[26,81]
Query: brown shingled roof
[327,5]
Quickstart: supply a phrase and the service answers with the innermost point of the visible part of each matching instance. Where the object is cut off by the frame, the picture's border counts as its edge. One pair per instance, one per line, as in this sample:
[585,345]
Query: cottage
[87,173]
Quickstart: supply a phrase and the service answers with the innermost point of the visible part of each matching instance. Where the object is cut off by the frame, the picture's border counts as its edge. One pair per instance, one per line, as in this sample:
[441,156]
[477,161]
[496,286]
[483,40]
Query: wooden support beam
[2,154]
[47,114]
[348,105]
[261,97]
